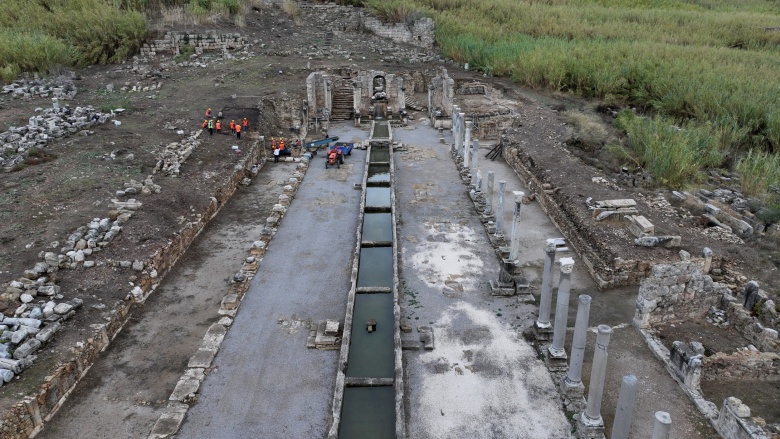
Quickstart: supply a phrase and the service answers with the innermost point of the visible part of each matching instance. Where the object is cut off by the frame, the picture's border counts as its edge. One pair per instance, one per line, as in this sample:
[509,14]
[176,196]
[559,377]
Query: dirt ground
[47,202]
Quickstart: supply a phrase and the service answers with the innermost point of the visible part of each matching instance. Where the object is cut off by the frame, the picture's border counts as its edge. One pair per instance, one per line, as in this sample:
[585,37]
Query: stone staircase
[414,105]
[343,103]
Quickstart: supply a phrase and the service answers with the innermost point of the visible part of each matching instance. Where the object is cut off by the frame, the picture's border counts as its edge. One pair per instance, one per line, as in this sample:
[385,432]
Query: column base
[543,332]
[497,240]
[590,428]
[498,288]
[572,390]
[486,218]
[556,361]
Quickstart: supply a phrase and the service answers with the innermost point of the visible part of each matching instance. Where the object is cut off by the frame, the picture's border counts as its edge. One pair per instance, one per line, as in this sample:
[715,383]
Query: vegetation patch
[705,67]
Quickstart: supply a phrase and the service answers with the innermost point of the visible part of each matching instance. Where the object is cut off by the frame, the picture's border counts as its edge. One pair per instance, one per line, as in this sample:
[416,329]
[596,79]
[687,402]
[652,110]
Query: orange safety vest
[232,125]
[219,125]
[205,124]
[245,123]
[281,145]
[238,128]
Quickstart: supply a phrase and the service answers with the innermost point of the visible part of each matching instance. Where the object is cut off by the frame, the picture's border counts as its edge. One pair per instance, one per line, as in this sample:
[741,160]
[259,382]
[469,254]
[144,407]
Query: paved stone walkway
[482,380]
[266,383]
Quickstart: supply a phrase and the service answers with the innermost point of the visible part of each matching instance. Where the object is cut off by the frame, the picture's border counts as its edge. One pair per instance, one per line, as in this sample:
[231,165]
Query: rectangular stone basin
[377,227]
[376,267]
[368,412]
[379,155]
[371,354]
[381,131]
[377,198]
[378,175]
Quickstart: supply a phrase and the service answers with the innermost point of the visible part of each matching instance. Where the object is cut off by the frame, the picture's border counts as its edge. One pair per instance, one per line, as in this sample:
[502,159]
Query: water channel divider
[342,380]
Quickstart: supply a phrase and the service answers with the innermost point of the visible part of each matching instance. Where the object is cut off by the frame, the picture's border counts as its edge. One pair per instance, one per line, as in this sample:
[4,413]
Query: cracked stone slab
[202,358]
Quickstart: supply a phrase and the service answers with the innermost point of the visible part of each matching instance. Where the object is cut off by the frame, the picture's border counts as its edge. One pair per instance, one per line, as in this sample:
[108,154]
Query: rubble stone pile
[43,88]
[175,154]
[43,128]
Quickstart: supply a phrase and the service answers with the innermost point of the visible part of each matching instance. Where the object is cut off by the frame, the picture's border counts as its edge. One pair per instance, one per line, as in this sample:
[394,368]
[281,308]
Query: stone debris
[173,156]
[40,88]
[53,123]
[612,209]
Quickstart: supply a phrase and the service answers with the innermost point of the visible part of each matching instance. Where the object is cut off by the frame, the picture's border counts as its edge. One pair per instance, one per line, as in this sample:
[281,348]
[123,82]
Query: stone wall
[676,291]
[748,363]
[27,416]
[734,422]
[758,329]
[420,33]
[172,42]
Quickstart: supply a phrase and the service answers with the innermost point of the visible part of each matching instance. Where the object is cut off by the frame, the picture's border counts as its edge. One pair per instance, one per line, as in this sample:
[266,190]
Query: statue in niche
[379,88]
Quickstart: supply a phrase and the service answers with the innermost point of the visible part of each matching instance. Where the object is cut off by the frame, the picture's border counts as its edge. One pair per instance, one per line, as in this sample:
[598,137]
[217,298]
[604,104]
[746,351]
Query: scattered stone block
[639,226]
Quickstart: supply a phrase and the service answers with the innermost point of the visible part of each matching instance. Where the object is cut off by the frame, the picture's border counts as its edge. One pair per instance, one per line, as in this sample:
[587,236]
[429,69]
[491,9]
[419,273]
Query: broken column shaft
[466,146]
[625,408]
[474,156]
[490,180]
[590,423]
[572,383]
[662,428]
[556,350]
[514,247]
[500,209]
[543,325]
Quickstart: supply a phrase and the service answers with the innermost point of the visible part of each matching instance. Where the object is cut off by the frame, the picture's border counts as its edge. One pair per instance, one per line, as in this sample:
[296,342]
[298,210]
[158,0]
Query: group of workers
[211,124]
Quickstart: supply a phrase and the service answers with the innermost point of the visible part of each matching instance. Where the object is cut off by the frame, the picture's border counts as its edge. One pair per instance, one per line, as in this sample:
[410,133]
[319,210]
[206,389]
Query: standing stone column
[478,184]
[466,143]
[489,207]
[456,130]
[475,157]
[625,408]
[514,246]
[462,128]
[543,327]
[55,103]
[590,423]
[500,209]
[557,358]
[572,383]
[662,428]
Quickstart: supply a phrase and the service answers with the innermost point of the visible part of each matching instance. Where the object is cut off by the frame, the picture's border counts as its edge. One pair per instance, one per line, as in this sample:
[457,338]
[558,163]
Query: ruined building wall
[676,292]
[746,363]
[441,93]
[420,33]
[172,42]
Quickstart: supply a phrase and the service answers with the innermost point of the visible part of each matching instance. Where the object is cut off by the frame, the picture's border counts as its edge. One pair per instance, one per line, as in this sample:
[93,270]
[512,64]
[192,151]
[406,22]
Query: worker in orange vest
[281,145]
[232,127]
[218,126]
[245,123]
[205,124]
[238,131]
[208,113]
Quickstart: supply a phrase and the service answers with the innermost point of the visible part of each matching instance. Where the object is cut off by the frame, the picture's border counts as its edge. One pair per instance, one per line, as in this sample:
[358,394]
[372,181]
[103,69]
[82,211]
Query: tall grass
[674,154]
[708,66]
[760,173]
[41,35]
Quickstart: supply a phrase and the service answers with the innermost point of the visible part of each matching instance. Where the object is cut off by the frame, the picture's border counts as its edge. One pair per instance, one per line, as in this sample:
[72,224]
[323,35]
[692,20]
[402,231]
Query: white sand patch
[449,254]
[481,381]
